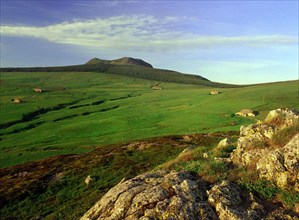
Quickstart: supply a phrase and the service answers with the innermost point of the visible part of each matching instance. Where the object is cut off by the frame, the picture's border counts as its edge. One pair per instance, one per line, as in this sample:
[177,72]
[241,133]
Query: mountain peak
[121,61]
[94,61]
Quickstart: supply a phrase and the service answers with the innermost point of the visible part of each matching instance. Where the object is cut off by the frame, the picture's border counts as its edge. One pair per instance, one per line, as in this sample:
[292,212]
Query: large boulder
[159,195]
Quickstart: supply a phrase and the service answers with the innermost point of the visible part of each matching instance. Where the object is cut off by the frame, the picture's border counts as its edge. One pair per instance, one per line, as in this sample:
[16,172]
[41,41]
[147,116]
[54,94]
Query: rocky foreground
[182,195]
[178,195]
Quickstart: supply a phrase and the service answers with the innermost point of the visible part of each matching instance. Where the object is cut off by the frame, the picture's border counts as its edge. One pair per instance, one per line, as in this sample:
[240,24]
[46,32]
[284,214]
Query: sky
[238,41]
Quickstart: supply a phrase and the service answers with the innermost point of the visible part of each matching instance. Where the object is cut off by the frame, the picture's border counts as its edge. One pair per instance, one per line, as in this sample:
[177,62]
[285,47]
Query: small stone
[224,143]
[205,155]
[87,180]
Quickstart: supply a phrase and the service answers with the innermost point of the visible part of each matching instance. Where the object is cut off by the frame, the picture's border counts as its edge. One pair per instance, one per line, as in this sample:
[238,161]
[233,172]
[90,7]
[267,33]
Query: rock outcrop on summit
[121,61]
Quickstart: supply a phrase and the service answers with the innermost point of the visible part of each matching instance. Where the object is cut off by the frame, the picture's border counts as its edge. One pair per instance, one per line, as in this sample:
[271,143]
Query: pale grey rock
[282,165]
[159,195]
[226,198]
[224,143]
[87,180]
[178,196]
[282,117]
[254,138]
[279,165]
[246,113]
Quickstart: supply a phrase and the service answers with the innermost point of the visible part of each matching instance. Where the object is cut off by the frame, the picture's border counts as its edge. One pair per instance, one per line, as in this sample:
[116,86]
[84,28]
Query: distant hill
[121,61]
[127,66]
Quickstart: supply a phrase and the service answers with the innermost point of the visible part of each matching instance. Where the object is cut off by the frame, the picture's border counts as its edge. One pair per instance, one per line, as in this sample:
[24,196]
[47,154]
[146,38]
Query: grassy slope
[138,113]
[54,188]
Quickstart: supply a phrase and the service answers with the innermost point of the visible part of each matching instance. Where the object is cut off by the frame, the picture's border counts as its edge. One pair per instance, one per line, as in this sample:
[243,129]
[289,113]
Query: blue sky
[239,42]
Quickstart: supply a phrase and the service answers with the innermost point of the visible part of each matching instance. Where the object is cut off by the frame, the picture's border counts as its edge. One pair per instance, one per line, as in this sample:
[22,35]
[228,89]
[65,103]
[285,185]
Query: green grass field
[80,111]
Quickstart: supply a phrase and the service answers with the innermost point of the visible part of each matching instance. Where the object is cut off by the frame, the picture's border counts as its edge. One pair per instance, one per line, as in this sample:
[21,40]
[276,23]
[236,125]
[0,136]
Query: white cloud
[146,33]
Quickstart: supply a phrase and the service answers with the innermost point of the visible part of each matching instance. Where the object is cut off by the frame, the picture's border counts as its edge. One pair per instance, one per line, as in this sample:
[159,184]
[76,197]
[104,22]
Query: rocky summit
[120,61]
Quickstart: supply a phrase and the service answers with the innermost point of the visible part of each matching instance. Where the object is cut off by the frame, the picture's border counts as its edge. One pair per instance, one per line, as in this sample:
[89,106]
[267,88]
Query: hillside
[127,66]
[78,111]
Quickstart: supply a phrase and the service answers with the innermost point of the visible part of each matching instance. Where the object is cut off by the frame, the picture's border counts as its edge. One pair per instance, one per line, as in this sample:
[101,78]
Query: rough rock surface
[282,165]
[226,198]
[282,117]
[178,196]
[254,149]
[252,143]
[151,196]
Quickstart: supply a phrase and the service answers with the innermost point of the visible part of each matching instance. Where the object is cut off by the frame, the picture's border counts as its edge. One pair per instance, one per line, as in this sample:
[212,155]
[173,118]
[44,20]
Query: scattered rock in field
[214,92]
[16,100]
[37,90]
[246,113]
[87,180]
[156,86]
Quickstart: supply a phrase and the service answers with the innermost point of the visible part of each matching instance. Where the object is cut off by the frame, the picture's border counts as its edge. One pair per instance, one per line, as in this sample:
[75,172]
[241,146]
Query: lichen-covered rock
[282,165]
[159,195]
[279,165]
[251,144]
[178,196]
[226,198]
[282,118]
